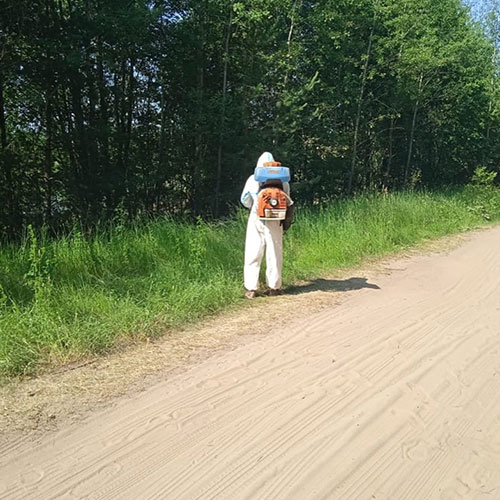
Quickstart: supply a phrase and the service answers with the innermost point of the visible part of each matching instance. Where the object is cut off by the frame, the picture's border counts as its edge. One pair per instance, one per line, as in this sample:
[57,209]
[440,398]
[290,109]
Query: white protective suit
[262,235]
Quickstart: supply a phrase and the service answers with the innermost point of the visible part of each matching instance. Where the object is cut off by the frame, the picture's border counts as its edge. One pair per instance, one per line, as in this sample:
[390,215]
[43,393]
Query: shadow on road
[326,285]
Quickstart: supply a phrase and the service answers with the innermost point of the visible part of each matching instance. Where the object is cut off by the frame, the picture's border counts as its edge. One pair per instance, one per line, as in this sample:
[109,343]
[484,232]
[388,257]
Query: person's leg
[254,250]
[274,254]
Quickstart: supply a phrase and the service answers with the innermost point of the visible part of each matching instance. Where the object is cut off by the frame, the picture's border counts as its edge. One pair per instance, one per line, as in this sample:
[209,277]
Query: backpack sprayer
[272,200]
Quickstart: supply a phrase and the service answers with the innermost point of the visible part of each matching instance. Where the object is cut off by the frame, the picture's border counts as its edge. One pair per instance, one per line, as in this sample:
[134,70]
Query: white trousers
[263,236]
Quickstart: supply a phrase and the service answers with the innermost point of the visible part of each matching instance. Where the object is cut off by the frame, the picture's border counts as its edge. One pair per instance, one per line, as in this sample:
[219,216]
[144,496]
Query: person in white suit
[262,236]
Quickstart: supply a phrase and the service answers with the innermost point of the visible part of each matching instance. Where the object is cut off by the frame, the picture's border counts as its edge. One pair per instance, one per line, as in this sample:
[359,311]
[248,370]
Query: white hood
[264,157]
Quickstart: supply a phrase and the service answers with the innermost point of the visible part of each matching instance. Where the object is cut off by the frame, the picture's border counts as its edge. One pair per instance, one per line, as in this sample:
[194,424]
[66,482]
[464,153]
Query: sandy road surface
[392,394]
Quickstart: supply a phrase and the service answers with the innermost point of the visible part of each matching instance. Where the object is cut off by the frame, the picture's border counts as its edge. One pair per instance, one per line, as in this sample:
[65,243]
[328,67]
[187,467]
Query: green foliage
[482,193]
[37,277]
[115,110]
[73,297]
[483,178]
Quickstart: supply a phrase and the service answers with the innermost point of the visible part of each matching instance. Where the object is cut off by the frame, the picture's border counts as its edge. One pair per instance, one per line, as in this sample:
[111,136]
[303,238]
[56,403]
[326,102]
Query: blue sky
[480,7]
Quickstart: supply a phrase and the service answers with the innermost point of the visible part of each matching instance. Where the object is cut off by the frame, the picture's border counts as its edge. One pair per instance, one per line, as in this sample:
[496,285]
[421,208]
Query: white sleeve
[249,192]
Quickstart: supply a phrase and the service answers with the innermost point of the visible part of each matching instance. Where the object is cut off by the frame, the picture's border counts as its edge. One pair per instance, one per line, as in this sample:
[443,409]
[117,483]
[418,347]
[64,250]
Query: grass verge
[75,297]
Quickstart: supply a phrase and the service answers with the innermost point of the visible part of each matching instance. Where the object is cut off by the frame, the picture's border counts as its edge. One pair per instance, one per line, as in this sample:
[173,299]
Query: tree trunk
[128,137]
[119,113]
[162,153]
[48,164]
[3,126]
[11,210]
[81,149]
[390,153]
[410,146]
[412,132]
[494,64]
[358,112]
[223,112]
[103,132]
[70,144]
[198,150]
[289,43]
[198,139]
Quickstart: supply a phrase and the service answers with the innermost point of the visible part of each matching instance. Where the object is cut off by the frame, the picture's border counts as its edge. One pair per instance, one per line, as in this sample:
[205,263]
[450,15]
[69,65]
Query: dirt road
[394,393]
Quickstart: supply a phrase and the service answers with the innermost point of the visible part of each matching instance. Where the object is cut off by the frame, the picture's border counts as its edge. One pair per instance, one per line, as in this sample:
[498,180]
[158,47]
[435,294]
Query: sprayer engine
[271,204]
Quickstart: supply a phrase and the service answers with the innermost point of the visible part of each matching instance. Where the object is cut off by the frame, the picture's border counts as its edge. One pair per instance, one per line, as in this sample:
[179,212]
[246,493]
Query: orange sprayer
[271,204]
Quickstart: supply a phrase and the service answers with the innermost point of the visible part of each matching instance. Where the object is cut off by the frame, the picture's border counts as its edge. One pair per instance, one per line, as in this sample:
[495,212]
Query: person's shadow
[328,285]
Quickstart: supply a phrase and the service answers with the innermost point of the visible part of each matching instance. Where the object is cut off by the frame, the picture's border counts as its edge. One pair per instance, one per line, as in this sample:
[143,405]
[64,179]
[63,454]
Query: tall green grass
[65,299]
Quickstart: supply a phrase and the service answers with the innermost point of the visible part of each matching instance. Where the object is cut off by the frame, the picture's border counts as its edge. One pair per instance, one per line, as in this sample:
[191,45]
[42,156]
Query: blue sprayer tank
[272,171]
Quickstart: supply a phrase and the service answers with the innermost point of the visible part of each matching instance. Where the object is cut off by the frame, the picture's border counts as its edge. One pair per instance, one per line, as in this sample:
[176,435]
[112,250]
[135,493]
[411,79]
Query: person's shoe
[250,294]
[273,292]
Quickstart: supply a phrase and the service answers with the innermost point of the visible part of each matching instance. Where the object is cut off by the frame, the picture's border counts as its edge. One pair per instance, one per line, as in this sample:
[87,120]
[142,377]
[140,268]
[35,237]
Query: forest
[127,109]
